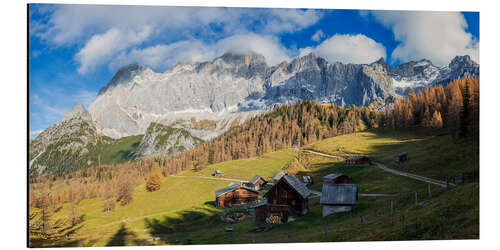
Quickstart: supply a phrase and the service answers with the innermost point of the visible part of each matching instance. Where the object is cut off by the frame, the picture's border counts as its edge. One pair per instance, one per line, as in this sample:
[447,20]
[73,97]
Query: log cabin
[257,181]
[357,161]
[289,190]
[335,178]
[235,194]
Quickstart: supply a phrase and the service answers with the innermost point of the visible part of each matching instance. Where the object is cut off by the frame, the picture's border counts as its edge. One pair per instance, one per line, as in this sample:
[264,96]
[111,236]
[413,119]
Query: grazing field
[182,211]
[431,153]
[266,166]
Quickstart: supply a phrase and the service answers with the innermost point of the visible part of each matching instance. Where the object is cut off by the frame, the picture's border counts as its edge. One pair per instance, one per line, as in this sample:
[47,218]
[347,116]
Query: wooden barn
[357,161]
[257,182]
[336,179]
[235,194]
[401,157]
[289,190]
[337,198]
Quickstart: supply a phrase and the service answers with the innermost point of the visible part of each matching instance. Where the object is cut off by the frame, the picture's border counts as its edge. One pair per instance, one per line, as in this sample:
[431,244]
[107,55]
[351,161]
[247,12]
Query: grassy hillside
[117,151]
[181,212]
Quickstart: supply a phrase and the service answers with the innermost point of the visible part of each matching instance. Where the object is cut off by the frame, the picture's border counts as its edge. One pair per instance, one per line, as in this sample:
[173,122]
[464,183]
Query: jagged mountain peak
[124,75]
[464,60]
[78,111]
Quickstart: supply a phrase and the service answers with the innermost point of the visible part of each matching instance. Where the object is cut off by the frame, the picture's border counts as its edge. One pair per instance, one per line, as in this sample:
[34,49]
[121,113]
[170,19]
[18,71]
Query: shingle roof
[278,176]
[255,178]
[231,187]
[299,186]
[332,176]
[356,158]
[339,194]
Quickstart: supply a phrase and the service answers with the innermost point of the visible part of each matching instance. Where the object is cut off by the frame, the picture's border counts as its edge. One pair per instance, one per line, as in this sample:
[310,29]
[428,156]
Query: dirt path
[206,177]
[322,154]
[393,171]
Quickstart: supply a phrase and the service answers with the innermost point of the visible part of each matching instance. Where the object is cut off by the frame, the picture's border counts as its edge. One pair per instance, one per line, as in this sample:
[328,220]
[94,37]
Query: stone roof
[298,185]
[339,194]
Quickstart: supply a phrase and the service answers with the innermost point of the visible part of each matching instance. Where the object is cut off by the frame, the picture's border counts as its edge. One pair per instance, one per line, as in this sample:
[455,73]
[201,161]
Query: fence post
[392,207]
[416,198]
[462,178]
[326,230]
[447,182]
[429,190]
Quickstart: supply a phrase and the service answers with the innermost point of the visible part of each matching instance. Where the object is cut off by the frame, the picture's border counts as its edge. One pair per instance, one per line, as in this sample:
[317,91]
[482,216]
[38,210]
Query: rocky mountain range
[206,98]
[203,99]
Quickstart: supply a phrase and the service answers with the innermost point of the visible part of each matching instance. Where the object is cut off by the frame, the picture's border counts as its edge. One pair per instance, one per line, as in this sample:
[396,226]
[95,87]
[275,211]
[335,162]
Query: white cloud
[437,36]
[70,23]
[102,47]
[107,33]
[162,56]
[318,36]
[290,20]
[348,49]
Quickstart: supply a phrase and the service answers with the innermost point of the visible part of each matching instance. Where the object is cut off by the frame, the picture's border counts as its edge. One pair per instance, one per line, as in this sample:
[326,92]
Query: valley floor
[182,211]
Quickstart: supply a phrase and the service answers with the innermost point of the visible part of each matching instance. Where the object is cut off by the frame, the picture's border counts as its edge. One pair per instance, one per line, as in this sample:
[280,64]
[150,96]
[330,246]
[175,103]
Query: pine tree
[465,111]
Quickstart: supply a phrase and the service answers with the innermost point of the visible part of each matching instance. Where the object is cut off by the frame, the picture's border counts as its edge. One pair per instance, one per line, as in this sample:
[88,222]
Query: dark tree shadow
[122,235]
[184,222]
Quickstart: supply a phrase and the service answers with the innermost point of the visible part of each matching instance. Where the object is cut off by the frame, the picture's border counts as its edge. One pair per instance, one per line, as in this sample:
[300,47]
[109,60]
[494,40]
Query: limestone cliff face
[233,87]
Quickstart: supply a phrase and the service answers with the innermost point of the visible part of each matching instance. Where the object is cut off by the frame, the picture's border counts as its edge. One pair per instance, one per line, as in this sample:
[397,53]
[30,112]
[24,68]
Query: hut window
[274,201]
[293,202]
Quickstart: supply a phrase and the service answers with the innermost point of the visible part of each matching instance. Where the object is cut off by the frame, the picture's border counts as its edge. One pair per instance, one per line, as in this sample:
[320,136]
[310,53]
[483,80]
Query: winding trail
[390,170]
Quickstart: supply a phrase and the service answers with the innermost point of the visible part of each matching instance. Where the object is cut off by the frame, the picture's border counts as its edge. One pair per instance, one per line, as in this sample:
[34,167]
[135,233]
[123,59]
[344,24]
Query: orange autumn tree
[154,181]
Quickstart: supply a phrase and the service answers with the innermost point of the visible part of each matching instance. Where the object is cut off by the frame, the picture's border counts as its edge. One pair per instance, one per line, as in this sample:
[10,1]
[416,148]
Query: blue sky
[76,49]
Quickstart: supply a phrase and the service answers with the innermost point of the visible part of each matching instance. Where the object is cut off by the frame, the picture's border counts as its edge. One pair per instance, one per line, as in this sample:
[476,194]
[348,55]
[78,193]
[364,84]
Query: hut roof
[339,194]
[231,187]
[278,176]
[256,178]
[299,186]
[333,176]
[401,154]
[354,158]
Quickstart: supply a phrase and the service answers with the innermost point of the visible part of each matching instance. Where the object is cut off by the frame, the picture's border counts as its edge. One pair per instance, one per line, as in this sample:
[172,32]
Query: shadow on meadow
[124,235]
[184,222]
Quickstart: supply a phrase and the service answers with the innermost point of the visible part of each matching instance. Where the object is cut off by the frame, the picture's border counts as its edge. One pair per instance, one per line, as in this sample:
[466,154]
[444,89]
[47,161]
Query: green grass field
[182,211]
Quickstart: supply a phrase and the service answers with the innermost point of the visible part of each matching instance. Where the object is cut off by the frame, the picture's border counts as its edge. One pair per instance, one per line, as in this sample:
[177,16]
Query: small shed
[289,190]
[358,161]
[235,194]
[401,157]
[337,198]
[257,181]
[336,178]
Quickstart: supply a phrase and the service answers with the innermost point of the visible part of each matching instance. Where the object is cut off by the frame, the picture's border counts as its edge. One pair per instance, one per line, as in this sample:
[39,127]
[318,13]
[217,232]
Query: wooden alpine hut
[289,190]
[257,182]
[335,178]
[235,194]
[358,161]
